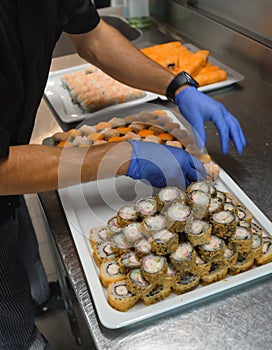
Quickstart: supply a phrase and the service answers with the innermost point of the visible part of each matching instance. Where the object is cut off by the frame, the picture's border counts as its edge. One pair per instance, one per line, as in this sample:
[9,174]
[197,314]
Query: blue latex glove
[198,108]
[162,165]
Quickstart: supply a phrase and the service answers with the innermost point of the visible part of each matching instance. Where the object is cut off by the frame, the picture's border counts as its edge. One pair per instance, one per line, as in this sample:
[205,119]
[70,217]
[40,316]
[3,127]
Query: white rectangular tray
[61,103]
[92,204]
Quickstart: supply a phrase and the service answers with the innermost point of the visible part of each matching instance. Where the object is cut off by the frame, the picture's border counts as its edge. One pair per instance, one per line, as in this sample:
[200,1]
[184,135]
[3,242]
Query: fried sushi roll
[153,268]
[168,196]
[266,256]
[126,215]
[244,214]
[119,296]
[241,240]
[203,186]
[164,242]
[212,251]
[217,273]
[223,223]
[183,257]
[242,264]
[257,246]
[171,275]
[133,231]
[110,272]
[157,293]
[185,283]
[255,228]
[199,203]
[142,248]
[137,284]
[229,258]
[201,267]
[98,235]
[177,216]
[216,205]
[128,261]
[104,251]
[113,226]
[146,206]
[121,244]
[198,232]
[151,224]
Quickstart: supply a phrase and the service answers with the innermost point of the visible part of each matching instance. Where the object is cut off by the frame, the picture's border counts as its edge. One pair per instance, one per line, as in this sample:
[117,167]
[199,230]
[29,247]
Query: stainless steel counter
[240,318]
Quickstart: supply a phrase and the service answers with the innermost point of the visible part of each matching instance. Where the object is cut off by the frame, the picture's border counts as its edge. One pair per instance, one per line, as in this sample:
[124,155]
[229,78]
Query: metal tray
[94,203]
[62,105]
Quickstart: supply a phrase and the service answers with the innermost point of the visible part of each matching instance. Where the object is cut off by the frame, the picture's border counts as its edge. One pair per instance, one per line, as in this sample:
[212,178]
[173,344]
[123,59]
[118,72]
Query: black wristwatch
[181,79]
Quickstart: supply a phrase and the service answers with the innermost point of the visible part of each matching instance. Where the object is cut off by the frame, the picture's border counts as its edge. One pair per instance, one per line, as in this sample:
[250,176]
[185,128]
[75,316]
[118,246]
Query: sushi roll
[221,195]
[99,235]
[244,214]
[203,186]
[126,215]
[146,206]
[153,268]
[212,251]
[257,246]
[142,248]
[157,293]
[104,251]
[169,195]
[183,257]
[230,198]
[199,203]
[171,275]
[242,264]
[198,232]
[230,207]
[133,231]
[113,226]
[266,256]
[241,240]
[201,267]
[121,244]
[151,224]
[185,283]
[246,224]
[110,272]
[229,258]
[256,228]
[216,205]
[177,216]
[119,296]
[136,283]
[128,261]
[223,223]
[217,273]
[164,242]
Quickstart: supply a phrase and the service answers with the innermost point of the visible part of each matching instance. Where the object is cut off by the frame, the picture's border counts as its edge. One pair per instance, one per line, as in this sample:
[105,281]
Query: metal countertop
[240,318]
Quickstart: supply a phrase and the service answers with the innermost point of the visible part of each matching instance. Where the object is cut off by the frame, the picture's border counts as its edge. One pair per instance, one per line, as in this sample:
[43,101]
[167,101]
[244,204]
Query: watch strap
[180,79]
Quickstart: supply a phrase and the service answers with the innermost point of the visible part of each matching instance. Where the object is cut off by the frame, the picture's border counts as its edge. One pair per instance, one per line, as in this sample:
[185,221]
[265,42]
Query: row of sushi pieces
[175,241]
[156,126]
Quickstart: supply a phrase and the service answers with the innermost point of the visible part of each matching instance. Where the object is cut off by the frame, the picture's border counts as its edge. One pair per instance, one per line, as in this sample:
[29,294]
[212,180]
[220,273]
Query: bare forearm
[36,168]
[110,51]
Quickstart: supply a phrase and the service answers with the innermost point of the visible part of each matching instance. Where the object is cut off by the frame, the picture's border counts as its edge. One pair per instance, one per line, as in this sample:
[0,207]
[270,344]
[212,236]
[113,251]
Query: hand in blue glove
[197,108]
[163,165]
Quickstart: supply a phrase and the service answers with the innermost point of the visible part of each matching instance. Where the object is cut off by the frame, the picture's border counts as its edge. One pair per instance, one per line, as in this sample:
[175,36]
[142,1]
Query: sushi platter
[91,205]
[59,99]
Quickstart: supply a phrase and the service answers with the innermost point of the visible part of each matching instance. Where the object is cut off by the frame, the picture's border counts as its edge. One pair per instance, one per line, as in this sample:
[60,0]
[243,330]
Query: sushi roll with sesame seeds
[151,224]
[199,203]
[133,231]
[110,272]
[126,215]
[128,261]
[244,214]
[171,275]
[223,223]
[164,242]
[266,256]
[121,244]
[229,258]
[119,296]
[216,205]
[137,284]
[98,235]
[104,251]
[169,195]
[142,248]
[255,228]
[183,257]
[158,292]
[146,206]
[153,268]
[216,273]
[177,216]
[243,263]
[198,232]
[201,267]
[241,240]
[212,251]
[257,246]
[185,283]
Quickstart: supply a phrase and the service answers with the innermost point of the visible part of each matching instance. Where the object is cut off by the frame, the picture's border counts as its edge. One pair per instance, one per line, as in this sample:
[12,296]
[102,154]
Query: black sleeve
[82,16]
[4,143]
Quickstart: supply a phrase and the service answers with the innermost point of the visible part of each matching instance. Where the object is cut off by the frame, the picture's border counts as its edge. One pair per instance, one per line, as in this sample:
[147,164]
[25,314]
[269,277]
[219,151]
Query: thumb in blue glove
[162,165]
[197,108]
